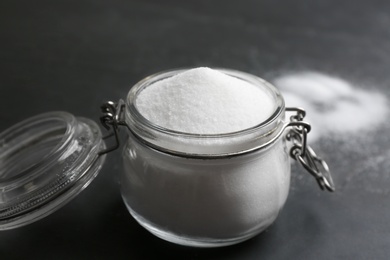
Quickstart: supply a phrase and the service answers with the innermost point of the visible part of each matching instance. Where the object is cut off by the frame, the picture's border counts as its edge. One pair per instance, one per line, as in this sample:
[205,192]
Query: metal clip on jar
[190,189]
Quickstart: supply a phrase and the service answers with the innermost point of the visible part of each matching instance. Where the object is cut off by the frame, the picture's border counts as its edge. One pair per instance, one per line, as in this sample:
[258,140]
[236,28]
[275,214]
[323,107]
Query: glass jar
[190,189]
[206,190]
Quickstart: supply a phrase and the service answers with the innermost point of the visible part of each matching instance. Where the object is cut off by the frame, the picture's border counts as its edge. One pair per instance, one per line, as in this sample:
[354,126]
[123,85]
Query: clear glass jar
[205,190]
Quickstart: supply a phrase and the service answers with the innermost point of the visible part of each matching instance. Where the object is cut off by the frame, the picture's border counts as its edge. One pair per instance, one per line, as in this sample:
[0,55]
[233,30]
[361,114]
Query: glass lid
[45,161]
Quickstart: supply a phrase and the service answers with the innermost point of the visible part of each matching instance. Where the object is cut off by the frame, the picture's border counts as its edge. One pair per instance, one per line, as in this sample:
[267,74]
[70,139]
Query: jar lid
[45,161]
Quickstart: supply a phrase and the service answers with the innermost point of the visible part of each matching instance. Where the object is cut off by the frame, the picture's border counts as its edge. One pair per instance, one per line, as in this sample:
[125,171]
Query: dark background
[74,55]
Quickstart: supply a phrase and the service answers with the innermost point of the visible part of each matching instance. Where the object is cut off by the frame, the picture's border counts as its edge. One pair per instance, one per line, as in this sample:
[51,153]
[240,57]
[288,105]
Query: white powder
[333,105]
[205,101]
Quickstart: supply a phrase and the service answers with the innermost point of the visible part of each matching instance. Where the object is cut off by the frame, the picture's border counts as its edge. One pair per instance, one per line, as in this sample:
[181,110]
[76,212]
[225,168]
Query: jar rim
[195,145]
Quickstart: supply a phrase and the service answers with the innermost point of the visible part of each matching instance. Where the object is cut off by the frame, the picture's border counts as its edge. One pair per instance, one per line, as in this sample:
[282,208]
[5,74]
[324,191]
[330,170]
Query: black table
[74,55]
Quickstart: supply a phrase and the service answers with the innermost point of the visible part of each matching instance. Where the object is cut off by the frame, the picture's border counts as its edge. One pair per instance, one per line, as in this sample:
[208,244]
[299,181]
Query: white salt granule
[333,105]
[205,101]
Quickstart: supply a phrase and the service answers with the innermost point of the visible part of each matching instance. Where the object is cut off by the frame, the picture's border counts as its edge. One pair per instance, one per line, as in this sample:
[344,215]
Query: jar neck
[206,145]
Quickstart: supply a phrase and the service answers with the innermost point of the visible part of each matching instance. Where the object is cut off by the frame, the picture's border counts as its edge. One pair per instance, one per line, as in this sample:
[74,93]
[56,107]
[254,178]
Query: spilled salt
[205,101]
[333,105]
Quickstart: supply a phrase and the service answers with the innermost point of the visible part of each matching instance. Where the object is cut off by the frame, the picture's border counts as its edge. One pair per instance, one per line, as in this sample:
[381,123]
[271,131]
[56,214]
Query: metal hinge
[112,118]
[303,153]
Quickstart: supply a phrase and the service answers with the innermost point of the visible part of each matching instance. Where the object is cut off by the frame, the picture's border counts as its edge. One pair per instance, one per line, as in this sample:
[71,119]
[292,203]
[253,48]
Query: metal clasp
[112,118]
[303,153]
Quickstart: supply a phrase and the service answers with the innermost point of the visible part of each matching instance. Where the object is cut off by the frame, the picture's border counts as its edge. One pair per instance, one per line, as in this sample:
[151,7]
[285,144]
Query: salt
[333,105]
[205,101]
